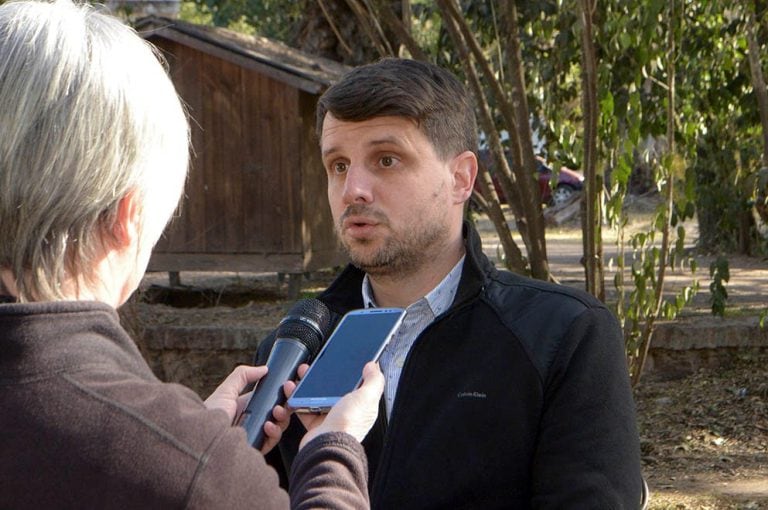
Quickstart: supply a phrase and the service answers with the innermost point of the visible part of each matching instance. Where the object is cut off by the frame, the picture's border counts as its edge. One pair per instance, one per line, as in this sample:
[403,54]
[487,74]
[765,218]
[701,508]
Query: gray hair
[87,115]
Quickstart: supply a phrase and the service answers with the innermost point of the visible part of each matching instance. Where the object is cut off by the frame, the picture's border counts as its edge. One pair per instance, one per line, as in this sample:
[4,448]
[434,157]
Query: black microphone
[298,339]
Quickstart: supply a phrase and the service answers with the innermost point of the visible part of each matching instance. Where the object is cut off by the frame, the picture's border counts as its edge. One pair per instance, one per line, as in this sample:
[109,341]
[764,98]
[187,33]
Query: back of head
[425,93]
[87,115]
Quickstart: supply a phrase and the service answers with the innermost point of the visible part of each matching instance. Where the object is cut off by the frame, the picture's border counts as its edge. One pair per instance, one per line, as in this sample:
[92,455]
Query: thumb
[373,380]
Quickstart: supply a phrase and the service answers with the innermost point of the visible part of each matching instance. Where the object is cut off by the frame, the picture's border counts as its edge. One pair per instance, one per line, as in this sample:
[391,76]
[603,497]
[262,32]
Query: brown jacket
[85,424]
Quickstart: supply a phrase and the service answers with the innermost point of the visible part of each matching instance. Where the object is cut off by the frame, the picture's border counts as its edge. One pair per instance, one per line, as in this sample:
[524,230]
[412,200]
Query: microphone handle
[284,358]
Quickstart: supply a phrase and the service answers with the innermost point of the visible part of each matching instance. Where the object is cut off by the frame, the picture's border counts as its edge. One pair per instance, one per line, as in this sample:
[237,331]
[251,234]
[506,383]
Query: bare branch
[515,259]
[371,28]
[331,23]
[402,33]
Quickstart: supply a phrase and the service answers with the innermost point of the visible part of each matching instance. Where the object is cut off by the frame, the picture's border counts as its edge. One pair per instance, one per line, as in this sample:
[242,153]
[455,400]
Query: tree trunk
[331,29]
[522,146]
[758,81]
[758,84]
[592,218]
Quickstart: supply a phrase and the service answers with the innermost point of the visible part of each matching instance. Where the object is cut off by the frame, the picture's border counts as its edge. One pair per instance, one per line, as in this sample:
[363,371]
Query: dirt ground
[704,437]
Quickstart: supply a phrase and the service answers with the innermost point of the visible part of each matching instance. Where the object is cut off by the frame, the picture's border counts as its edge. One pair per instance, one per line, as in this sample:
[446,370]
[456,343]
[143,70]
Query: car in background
[568,181]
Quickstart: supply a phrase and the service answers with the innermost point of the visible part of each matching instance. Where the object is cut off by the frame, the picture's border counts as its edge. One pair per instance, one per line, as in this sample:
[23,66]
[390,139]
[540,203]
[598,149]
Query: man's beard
[400,253]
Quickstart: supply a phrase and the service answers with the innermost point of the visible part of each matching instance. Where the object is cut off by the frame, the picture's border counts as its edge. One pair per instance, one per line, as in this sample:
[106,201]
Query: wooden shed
[256,194]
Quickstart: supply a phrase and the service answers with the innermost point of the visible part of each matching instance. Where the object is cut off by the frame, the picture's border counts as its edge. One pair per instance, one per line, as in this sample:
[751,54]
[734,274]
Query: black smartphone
[359,338]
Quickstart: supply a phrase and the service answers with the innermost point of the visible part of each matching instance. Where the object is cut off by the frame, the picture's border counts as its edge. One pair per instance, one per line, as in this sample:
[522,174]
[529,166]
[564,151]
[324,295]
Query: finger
[243,375]
[242,401]
[371,369]
[226,394]
[373,379]
[272,435]
[288,388]
[249,374]
[302,370]
[282,416]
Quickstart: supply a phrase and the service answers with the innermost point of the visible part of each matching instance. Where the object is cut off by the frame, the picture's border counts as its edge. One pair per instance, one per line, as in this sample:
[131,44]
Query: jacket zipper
[386,429]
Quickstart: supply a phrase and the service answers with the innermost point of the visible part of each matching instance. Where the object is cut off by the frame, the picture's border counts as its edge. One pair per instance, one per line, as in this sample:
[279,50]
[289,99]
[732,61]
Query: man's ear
[464,169]
[125,230]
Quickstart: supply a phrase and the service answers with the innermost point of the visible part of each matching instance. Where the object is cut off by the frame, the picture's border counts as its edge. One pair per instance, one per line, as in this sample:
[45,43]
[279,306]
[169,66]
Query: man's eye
[387,161]
[339,167]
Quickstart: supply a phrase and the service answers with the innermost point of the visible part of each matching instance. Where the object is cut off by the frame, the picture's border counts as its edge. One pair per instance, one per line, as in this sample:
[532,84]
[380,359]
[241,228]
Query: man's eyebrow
[387,140]
[329,150]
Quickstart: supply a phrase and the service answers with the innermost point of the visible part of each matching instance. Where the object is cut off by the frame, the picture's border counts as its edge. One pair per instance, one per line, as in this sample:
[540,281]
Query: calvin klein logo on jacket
[471,394]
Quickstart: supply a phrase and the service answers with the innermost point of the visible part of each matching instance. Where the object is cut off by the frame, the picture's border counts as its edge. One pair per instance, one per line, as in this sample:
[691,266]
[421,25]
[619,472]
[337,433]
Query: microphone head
[309,322]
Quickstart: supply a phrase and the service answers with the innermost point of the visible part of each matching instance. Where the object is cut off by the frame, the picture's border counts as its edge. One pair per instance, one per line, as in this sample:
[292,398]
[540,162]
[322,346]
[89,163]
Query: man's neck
[403,290]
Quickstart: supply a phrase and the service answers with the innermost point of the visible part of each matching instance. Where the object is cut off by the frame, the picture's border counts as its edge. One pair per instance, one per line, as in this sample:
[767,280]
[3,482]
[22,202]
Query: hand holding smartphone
[354,414]
[359,338]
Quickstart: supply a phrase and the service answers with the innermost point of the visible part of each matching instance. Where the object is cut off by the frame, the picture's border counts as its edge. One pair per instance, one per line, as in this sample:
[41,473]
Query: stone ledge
[201,356]
[688,334]
[709,333]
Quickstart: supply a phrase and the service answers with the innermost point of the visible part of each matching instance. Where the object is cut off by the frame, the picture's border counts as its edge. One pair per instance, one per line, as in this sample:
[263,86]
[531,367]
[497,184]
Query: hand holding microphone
[297,340]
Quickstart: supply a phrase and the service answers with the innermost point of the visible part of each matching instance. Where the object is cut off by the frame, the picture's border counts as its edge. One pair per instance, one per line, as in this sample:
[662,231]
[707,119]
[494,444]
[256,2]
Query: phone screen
[359,338]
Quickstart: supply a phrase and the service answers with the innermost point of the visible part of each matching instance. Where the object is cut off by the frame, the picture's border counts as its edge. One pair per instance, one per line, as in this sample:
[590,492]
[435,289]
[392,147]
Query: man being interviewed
[501,391]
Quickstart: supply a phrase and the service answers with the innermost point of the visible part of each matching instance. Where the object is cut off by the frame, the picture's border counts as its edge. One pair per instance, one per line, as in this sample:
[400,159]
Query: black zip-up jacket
[517,397]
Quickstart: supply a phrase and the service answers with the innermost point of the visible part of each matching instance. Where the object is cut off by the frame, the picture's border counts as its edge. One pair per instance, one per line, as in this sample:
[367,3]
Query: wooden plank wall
[243,195]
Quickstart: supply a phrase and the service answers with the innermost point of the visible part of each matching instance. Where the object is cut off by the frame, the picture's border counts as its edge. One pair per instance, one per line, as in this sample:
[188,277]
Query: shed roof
[286,64]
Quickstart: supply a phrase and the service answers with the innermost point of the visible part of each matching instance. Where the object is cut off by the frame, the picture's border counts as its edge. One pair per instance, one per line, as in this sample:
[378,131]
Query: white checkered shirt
[418,316]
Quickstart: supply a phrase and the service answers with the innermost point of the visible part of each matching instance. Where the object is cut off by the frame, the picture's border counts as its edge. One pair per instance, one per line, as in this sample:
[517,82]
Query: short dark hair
[423,92]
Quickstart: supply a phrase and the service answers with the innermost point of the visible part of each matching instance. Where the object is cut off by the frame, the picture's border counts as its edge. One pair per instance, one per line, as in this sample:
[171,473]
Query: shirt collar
[439,299]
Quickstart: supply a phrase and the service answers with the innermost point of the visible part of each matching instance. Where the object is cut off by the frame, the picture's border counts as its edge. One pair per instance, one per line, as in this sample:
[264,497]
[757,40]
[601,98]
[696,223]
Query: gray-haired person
[93,159]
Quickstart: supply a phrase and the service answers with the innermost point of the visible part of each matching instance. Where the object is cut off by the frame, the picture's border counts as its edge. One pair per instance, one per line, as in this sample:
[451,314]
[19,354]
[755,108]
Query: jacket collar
[344,293]
[477,268]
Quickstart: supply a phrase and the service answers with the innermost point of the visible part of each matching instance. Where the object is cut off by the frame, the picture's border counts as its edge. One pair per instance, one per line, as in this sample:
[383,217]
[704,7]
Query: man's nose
[358,185]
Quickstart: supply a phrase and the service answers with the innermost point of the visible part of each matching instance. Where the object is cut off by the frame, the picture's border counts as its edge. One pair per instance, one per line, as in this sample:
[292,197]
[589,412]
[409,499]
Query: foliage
[723,118]
[195,13]
[720,274]
[271,18]
[717,124]
[427,29]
